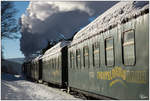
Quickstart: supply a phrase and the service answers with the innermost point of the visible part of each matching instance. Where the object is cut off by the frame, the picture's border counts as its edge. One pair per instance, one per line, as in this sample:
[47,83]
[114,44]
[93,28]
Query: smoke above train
[45,21]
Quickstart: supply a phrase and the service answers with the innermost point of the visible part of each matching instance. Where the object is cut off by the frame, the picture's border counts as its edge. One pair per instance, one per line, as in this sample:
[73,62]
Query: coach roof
[55,49]
[115,15]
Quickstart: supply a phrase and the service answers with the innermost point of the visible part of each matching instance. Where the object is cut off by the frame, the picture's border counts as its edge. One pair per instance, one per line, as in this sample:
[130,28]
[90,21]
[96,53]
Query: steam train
[108,59]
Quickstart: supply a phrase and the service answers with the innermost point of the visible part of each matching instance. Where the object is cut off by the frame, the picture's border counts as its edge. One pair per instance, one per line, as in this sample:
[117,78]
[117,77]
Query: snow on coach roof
[37,58]
[56,48]
[113,16]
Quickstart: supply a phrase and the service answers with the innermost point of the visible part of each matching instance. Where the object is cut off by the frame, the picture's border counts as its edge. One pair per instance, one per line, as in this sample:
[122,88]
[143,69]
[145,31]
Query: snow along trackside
[14,87]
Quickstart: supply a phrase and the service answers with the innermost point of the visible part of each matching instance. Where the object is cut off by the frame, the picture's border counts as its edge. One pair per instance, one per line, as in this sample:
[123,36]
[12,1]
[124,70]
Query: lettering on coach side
[55,73]
[128,76]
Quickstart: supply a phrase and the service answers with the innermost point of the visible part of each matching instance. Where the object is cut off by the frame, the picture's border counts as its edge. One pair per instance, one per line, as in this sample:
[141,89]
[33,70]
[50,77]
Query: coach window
[56,65]
[36,64]
[128,48]
[47,63]
[109,51]
[96,55]
[72,60]
[86,56]
[58,61]
[52,63]
[78,58]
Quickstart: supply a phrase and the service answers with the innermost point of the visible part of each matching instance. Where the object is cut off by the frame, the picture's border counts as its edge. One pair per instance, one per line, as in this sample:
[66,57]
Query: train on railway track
[107,59]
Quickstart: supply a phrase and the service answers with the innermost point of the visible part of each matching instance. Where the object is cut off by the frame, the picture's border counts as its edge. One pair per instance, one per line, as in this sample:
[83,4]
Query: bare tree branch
[9,25]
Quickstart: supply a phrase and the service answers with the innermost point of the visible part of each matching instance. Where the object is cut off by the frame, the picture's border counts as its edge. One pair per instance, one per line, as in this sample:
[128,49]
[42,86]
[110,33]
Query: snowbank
[17,88]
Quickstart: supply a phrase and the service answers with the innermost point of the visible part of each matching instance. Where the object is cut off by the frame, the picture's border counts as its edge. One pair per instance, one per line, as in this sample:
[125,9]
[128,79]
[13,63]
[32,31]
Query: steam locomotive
[108,59]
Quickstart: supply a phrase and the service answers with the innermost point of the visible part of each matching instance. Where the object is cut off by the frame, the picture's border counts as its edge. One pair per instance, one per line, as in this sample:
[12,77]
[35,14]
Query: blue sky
[12,47]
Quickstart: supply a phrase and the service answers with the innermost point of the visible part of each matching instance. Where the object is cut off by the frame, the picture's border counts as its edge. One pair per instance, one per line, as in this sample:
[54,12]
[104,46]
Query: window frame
[78,50]
[55,63]
[72,57]
[123,42]
[95,44]
[107,48]
[52,62]
[84,56]
[58,64]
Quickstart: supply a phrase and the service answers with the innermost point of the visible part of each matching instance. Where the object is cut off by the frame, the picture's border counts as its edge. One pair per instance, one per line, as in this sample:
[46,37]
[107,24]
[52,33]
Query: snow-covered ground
[15,87]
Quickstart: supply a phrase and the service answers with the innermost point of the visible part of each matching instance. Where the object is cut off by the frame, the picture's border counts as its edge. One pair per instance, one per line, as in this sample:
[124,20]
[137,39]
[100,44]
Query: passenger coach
[55,65]
[109,57]
[36,70]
